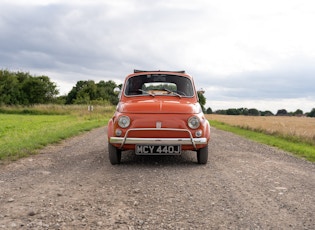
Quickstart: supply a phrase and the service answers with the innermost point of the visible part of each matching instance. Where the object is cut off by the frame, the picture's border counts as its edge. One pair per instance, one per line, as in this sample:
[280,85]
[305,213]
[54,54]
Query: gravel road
[72,185]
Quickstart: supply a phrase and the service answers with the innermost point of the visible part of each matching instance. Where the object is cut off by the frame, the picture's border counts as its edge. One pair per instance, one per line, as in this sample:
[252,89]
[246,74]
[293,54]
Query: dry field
[301,127]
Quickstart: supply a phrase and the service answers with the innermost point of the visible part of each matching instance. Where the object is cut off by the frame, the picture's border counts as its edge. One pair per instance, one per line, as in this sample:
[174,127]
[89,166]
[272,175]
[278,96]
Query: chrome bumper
[158,141]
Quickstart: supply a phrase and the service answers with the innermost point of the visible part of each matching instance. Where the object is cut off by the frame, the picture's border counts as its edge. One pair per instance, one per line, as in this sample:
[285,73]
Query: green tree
[298,112]
[85,92]
[9,88]
[282,112]
[106,91]
[24,89]
[312,113]
[202,101]
[266,113]
[82,93]
[253,112]
[72,95]
[233,111]
[209,110]
[243,111]
[221,111]
[39,90]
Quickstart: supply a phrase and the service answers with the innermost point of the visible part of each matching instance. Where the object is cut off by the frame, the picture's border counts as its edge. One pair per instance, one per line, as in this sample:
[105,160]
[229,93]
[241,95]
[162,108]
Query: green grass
[22,134]
[295,146]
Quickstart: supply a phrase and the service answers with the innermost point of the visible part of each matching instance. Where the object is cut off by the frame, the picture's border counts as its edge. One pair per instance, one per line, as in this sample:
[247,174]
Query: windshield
[159,84]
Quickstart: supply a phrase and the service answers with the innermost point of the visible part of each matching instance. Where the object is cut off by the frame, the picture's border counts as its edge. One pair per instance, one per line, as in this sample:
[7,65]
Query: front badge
[158,124]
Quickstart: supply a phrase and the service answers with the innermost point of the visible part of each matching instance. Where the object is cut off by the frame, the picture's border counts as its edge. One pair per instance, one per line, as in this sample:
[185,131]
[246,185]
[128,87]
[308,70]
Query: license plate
[158,149]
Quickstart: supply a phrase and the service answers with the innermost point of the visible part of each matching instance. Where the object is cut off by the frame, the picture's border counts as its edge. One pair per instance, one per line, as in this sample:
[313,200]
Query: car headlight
[123,121]
[193,122]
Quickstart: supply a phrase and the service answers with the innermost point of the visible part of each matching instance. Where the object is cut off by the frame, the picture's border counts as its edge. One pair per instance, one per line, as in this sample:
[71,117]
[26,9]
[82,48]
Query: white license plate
[158,149]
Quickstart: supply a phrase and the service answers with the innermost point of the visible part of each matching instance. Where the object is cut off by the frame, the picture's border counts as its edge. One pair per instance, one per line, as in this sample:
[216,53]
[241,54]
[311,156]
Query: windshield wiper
[143,91]
[174,93]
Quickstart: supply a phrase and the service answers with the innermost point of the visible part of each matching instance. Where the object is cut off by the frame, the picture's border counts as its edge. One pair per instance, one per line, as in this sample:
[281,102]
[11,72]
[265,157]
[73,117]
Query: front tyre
[114,154]
[202,155]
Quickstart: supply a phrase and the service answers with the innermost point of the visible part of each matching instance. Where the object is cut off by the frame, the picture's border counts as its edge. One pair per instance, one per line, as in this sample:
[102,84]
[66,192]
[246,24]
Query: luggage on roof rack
[140,71]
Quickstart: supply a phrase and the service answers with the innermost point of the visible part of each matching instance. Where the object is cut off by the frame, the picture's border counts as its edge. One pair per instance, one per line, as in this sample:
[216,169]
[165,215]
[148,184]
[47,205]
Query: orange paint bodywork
[157,112]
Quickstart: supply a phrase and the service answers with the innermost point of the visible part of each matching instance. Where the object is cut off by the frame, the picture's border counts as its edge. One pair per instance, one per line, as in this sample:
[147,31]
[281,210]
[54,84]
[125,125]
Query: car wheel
[202,155]
[114,154]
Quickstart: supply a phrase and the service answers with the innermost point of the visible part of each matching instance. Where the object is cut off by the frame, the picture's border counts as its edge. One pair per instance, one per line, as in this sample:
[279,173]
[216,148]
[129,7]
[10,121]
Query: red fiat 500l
[158,114]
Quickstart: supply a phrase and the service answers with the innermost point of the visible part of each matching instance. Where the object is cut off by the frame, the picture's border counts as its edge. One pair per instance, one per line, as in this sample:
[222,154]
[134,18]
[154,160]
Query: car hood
[158,106]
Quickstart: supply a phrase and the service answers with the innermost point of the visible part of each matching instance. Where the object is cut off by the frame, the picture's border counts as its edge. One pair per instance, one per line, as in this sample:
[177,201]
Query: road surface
[72,185]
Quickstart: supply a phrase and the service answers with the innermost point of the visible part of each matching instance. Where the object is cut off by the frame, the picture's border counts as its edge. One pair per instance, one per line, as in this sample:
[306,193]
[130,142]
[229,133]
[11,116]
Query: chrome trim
[151,141]
[169,141]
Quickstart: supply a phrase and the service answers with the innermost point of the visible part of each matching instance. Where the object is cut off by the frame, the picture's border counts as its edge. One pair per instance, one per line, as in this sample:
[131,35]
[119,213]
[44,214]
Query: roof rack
[140,71]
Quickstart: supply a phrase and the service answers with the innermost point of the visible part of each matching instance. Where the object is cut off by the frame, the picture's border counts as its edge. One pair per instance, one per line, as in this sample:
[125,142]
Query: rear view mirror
[116,90]
[201,91]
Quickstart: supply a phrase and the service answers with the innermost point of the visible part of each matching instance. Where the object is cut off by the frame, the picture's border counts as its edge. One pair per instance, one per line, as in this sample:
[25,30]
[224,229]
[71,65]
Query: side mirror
[116,90]
[201,91]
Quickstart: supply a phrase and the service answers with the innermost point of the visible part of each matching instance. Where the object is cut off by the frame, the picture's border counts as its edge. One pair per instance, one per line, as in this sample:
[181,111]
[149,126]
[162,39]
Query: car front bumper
[158,141]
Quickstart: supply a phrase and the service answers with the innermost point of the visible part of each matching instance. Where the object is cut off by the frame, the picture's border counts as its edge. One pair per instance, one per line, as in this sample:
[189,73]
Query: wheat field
[300,127]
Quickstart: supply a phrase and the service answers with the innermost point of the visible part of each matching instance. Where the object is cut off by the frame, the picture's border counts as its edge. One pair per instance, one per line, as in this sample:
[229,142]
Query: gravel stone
[72,185]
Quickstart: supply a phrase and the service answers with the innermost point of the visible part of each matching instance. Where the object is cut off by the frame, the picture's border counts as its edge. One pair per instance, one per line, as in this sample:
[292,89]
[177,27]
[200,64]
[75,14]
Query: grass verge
[22,134]
[298,148]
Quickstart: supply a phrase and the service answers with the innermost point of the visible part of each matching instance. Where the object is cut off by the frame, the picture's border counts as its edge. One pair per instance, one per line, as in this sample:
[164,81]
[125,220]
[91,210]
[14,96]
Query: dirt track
[72,185]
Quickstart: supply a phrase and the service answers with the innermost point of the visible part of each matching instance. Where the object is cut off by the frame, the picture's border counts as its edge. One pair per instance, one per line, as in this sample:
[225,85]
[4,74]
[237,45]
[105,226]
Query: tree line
[255,112]
[89,92]
[21,88]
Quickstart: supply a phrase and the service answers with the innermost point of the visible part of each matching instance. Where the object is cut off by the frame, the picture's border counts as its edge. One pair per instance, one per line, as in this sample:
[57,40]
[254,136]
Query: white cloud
[245,51]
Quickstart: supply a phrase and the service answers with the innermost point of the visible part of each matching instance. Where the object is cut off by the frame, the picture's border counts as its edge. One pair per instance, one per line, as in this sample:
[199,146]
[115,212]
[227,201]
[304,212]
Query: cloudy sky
[246,53]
